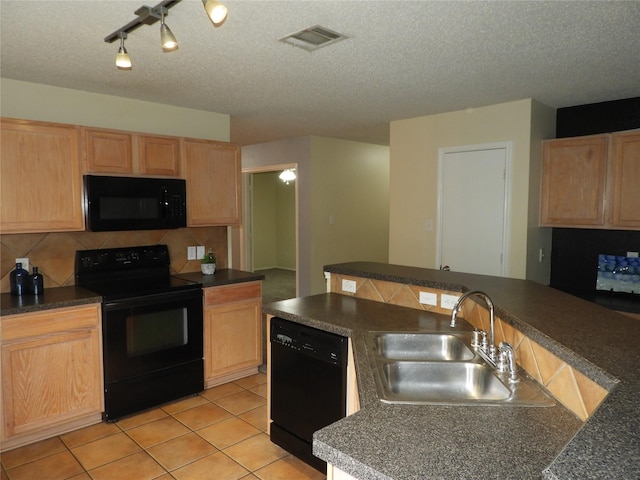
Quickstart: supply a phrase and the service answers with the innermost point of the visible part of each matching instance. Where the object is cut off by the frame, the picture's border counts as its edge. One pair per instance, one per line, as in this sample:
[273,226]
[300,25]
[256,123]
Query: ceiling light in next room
[287,176]
[313,38]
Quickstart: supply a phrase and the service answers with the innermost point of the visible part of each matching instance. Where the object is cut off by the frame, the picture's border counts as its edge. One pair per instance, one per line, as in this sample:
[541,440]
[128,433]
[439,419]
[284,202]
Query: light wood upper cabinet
[130,153]
[213,174]
[159,155]
[108,151]
[232,332]
[574,181]
[40,177]
[51,373]
[625,179]
[592,182]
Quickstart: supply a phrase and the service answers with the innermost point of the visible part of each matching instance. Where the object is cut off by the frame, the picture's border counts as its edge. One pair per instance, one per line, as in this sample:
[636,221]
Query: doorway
[270,230]
[474,191]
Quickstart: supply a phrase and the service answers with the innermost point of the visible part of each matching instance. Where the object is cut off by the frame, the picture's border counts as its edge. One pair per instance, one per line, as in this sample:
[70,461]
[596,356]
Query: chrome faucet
[489,348]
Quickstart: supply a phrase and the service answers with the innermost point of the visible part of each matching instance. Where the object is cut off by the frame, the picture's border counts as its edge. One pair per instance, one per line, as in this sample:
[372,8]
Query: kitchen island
[384,441]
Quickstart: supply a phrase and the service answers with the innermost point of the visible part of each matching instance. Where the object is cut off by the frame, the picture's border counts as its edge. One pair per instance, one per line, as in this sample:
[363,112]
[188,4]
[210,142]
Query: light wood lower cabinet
[232,332]
[51,373]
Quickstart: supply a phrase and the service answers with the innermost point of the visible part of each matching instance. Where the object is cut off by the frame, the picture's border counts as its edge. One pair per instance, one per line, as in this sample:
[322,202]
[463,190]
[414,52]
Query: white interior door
[473,203]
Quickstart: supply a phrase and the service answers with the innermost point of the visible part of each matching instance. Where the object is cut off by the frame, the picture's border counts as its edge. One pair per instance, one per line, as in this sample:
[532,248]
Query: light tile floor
[218,435]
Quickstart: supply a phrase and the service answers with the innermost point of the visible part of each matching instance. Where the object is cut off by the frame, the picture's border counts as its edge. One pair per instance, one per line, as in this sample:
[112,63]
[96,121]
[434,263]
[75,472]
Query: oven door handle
[153,299]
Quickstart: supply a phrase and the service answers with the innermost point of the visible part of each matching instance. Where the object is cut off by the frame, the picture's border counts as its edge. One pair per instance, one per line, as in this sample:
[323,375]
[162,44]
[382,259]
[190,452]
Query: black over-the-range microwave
[133,203]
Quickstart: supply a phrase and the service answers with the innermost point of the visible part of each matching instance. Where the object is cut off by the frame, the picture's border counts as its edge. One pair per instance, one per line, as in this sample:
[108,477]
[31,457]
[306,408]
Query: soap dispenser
[19,279]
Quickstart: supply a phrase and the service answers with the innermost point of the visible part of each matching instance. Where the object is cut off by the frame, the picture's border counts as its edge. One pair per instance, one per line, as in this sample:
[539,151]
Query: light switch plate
[632,254]
[428,298]
[191,253]
[200,252]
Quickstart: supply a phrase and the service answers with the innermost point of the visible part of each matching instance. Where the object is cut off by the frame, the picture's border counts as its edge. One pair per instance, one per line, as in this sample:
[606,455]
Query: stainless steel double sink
[443,369]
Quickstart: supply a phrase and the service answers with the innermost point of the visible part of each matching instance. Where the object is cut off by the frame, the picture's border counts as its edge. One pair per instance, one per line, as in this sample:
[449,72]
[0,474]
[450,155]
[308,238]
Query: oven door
[152,351]
[145,334]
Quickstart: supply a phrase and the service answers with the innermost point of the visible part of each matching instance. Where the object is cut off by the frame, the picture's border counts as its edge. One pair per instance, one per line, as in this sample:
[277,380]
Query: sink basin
[420,346]
[454,383]
[443,381]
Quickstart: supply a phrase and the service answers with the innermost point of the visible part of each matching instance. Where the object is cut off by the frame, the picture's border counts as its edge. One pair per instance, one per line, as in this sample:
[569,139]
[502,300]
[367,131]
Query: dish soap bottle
[19,279]
[36,282]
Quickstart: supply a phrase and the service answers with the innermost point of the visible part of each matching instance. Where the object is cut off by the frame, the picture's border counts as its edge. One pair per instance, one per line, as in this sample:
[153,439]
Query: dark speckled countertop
[224,276]
[51,298]
[70,296]
[401,442]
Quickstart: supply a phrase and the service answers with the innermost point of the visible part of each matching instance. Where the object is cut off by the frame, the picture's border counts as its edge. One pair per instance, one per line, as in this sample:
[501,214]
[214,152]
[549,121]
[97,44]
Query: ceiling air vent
[313,38]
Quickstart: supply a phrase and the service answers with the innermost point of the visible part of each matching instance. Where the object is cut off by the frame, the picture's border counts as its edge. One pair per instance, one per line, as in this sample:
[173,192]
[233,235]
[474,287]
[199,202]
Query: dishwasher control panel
[325,346]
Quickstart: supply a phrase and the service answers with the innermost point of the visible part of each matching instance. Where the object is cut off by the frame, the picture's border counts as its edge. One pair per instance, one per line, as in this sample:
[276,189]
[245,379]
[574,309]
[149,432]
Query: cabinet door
[159,155]
[40,180]
[213,183]
[574,175]
[625,181]
[108,151]
[51,372]
[233,335]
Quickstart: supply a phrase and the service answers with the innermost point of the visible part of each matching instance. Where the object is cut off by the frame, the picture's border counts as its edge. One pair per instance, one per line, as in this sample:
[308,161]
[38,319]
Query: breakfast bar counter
[391,441]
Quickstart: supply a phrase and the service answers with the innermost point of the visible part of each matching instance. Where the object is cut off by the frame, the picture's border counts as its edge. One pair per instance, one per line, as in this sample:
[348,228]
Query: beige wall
[33,101]
[348,180]
[414,176]
[350,185]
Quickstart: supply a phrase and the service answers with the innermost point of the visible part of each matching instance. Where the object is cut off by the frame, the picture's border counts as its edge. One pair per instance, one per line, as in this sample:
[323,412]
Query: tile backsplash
[54,253]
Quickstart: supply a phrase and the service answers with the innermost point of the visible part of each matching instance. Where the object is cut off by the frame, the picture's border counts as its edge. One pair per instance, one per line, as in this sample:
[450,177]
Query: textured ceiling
[402,59]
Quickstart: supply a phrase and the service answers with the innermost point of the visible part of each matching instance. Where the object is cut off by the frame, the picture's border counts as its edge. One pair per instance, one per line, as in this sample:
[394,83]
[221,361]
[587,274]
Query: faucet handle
[479,338]
[507,361]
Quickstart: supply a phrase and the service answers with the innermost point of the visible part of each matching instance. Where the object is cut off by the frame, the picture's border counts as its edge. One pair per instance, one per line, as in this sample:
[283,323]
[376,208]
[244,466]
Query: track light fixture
[123,61]
[216,12]
[167,39]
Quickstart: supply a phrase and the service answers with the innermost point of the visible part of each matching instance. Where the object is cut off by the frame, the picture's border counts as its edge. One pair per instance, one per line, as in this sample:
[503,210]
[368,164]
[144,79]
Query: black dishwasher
[308,385]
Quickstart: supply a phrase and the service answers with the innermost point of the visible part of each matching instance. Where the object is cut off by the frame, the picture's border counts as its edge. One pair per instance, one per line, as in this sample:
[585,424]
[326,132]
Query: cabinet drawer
[232,293]
[47,322]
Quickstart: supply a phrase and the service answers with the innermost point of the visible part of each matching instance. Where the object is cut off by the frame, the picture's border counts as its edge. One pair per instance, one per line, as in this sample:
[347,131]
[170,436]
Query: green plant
[209,257]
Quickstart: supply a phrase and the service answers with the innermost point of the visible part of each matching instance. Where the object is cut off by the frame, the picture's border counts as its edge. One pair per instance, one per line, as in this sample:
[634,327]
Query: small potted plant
[208,265]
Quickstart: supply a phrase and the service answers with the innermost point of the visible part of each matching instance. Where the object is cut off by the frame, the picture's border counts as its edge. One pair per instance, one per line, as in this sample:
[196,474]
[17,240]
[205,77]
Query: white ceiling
[402,59]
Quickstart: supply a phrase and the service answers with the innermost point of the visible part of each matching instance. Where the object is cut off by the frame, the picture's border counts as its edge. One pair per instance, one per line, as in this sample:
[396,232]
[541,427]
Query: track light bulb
[123,61]
[167,39]
[216,11]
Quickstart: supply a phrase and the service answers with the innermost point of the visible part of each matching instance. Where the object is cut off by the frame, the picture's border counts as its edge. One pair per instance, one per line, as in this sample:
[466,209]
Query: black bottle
[19,279]
[36,282]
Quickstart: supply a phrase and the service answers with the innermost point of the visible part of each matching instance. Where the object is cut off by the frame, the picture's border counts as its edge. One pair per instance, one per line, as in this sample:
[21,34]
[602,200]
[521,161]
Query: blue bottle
[36,282]
[19,279]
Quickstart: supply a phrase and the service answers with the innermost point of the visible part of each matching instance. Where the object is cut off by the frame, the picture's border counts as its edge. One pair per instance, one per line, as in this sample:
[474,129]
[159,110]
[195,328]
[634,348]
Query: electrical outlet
[349,286]
[24,262]
[200,252]
[428,298]
[632,254]
[191,253]
[448,301]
